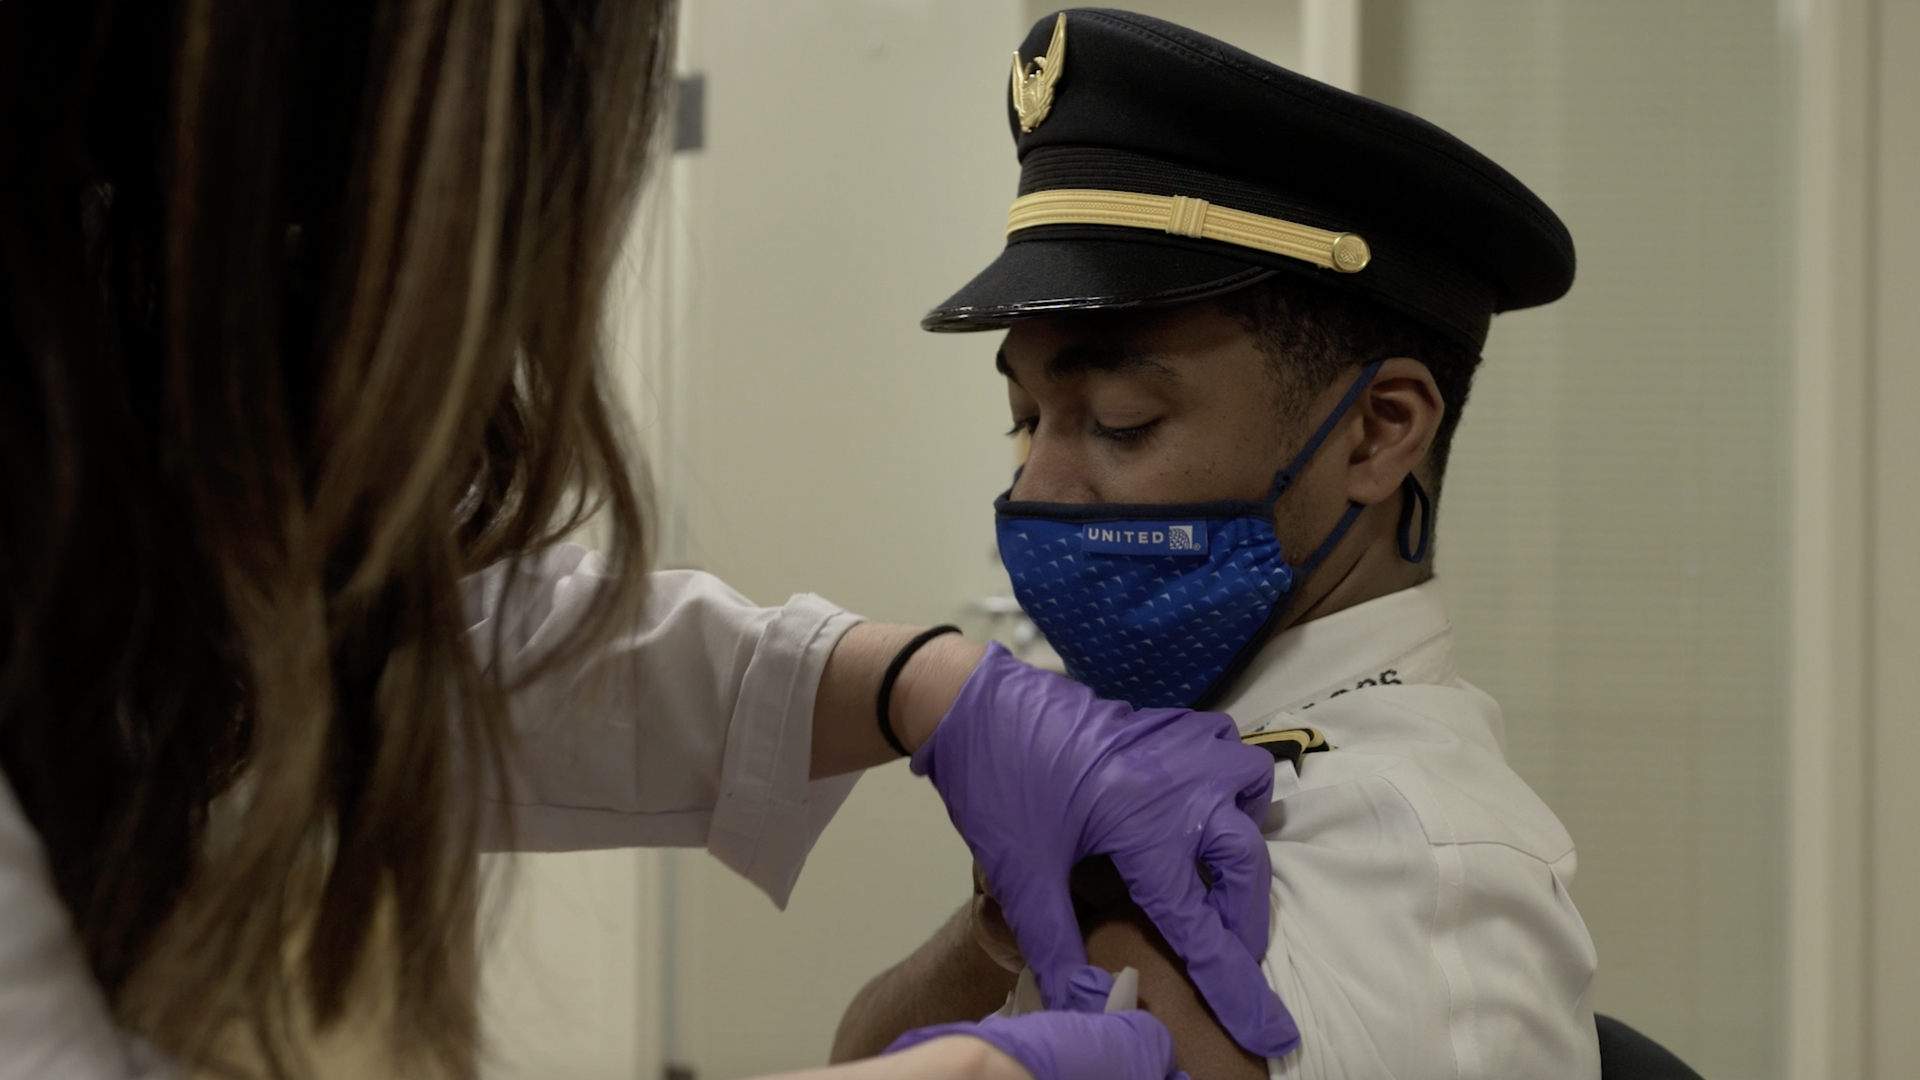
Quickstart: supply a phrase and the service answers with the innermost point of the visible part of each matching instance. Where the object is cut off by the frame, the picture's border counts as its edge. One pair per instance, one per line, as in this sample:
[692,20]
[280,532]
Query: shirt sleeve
[54,1020]
[692,728]
[1404,952]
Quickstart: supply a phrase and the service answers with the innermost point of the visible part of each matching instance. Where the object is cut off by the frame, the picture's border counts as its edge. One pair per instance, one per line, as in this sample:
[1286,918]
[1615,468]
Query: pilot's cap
[1160,166]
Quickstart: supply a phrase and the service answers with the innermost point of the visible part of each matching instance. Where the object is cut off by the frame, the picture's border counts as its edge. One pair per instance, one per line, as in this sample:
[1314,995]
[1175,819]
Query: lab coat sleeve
[693,727]
[54,1019]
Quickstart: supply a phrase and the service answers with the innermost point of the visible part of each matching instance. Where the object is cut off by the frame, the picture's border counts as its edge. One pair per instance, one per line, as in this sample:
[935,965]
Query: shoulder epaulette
[1290,744]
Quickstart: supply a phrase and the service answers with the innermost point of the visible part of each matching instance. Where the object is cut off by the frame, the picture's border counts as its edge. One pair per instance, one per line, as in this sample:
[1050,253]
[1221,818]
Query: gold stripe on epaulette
[1179,215]
[1290,744]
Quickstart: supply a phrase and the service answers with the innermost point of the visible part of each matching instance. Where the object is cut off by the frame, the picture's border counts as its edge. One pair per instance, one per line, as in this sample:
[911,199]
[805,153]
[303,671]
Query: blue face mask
[1165,605]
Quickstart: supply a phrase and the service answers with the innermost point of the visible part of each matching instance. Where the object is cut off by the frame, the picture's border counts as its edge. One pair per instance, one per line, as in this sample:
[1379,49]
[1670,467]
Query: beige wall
[1613,536]
[1893,960]
[571,987]
[1270,29]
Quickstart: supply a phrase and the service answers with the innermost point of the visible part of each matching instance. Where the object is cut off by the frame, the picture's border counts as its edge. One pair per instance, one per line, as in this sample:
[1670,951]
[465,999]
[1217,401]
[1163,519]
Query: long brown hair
[299,325]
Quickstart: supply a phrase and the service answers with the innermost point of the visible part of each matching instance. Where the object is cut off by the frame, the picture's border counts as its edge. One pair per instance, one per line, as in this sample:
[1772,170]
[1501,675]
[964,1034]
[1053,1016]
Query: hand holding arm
[1038,774]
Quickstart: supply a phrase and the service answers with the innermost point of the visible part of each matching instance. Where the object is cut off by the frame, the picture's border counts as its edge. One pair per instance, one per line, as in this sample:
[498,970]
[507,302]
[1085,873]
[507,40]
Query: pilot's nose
[1055,471]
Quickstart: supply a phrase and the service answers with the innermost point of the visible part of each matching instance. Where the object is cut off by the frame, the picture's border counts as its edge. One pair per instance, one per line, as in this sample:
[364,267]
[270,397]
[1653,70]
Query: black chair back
[1625,1054]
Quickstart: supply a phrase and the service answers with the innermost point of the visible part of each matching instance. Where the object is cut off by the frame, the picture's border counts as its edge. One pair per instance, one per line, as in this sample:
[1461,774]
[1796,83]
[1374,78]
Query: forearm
[947,979]
[846,732]
[951,1058]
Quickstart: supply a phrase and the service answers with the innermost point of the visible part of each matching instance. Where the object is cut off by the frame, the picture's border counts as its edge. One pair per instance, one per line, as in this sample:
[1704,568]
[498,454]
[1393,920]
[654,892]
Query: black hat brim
[1041,277]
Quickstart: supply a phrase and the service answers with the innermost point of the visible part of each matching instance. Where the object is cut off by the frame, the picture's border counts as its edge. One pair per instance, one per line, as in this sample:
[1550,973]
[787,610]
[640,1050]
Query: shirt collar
[1403,636]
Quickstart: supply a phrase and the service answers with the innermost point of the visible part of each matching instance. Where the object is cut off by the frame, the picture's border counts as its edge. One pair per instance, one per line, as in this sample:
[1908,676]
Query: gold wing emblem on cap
[1033,84]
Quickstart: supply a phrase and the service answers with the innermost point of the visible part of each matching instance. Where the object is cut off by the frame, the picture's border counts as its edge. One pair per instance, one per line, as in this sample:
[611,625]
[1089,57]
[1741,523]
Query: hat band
[1179,215]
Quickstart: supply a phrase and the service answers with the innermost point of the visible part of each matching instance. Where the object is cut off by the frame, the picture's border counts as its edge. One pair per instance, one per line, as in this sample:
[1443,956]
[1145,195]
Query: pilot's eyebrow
[1080,358]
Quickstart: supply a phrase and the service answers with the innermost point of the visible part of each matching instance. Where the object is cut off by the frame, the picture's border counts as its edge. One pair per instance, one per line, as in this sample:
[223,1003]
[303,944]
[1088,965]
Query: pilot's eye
[1123,435]
[1026,425]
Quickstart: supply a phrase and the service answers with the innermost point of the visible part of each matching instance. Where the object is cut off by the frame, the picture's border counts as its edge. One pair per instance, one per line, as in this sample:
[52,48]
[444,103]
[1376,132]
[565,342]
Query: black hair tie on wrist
[893,674]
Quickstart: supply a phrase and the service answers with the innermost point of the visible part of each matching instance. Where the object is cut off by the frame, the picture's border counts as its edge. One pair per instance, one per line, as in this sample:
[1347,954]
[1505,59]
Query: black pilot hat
[1159,166]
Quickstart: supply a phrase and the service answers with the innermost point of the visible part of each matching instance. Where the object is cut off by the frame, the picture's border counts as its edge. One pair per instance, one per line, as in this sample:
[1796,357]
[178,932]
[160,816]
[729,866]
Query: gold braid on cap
[1179,215]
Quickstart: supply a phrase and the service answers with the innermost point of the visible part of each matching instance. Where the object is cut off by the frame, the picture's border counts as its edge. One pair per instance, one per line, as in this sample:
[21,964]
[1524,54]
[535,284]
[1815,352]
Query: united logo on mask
[1143,538]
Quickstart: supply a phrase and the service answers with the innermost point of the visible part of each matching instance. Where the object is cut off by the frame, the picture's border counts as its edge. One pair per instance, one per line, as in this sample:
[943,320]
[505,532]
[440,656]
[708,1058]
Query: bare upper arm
[950,978]
[1120,935]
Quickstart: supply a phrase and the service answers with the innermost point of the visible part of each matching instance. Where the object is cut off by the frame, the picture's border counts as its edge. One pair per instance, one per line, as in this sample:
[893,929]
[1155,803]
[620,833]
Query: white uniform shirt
[695,728]
[1421,922]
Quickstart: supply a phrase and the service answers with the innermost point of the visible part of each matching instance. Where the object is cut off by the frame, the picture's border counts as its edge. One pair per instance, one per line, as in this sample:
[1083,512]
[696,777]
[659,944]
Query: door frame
[1853,940]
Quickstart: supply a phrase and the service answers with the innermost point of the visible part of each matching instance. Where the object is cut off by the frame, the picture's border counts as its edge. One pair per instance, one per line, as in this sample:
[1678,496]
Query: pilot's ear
[1400,413]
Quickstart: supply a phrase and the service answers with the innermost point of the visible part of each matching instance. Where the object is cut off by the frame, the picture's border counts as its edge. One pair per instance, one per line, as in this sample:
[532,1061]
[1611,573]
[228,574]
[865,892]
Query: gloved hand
[1127,1045]
[1038,773]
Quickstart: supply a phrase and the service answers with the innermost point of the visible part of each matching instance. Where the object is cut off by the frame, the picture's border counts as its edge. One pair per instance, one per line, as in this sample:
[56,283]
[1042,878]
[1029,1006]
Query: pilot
[1242,312]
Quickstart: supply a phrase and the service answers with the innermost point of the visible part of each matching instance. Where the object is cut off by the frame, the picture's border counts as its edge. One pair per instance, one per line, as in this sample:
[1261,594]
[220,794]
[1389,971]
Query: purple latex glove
[1038,773]
[1129,1045]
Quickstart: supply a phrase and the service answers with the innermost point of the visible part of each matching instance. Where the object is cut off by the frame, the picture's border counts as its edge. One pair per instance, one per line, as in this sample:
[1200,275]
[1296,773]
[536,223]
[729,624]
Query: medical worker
[299,394]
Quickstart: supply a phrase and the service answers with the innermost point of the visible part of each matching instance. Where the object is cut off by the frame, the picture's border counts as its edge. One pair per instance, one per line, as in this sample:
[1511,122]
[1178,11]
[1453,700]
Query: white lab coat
[1421,925]
[692,729]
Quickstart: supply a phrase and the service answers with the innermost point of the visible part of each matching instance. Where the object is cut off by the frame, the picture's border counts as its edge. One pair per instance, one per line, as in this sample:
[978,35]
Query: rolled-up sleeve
[692,728]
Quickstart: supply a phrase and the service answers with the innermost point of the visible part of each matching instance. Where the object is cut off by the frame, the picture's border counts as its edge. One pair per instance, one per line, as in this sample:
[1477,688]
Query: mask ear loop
[1413,498]
[1284,479]
[1332,541]
[1280,484]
